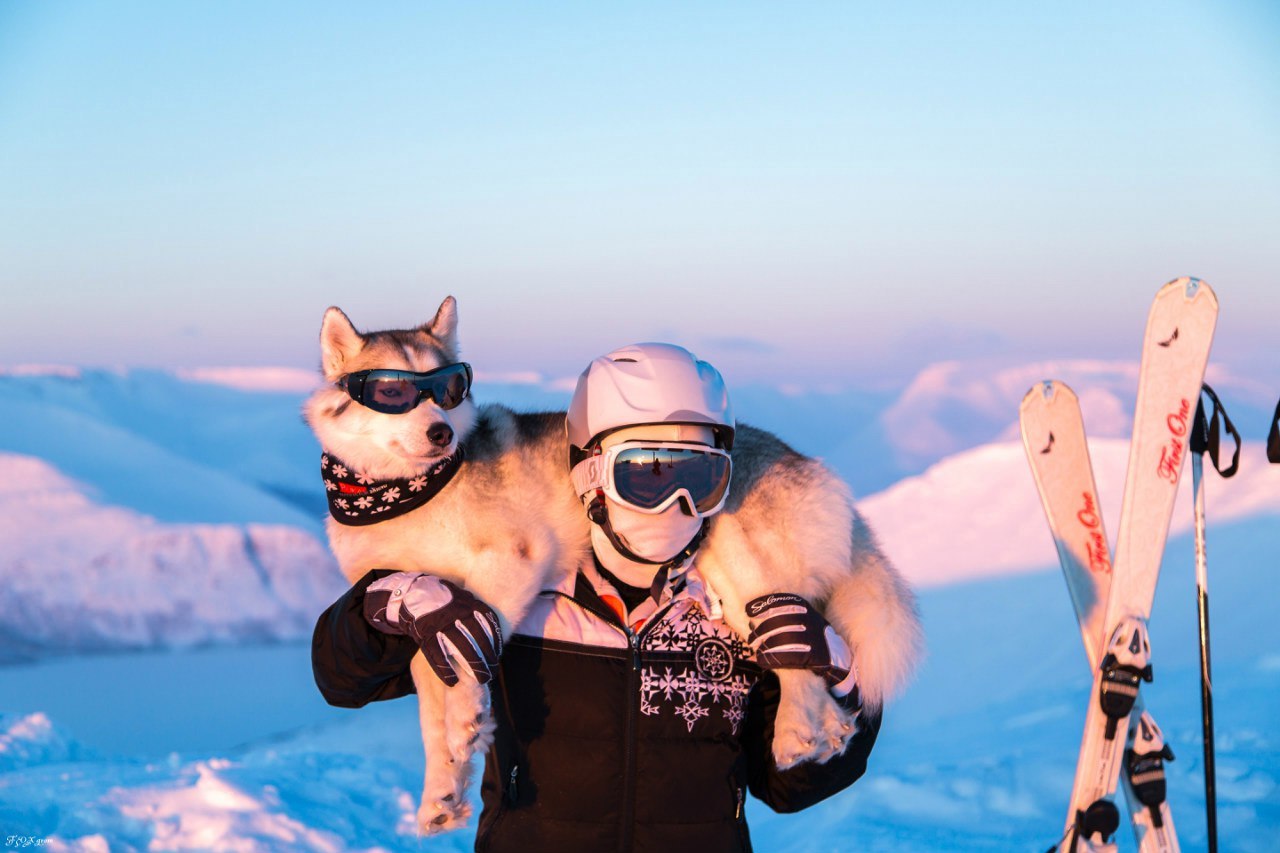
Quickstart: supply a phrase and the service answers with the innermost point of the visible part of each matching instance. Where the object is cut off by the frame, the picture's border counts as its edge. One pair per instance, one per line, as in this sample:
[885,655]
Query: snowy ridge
[32,740]
[82,576]
[292,379]
[188,510]
[977,513]
[951,406]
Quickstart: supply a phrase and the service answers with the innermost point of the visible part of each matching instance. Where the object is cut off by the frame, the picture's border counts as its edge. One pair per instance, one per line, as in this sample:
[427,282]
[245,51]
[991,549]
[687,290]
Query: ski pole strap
[1206,435]
[1273,440]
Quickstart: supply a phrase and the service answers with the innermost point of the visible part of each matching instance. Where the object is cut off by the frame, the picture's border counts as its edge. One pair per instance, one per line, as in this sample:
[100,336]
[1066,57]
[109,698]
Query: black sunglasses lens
[394,392]
[450,388]
[389,396]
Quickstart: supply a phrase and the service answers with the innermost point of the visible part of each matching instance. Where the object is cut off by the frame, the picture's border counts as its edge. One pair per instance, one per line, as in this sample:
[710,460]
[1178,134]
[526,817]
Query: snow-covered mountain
[81,575]
[977,513]
[150,509]
[177,504]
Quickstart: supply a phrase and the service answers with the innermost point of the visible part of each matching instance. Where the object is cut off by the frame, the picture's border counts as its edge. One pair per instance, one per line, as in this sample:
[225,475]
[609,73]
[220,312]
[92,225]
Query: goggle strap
[588,475]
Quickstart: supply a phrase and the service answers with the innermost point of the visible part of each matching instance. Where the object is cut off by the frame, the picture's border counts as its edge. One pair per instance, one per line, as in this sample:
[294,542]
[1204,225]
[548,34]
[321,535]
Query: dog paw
[437,815]
[793,744]
[797,740]
[838,728]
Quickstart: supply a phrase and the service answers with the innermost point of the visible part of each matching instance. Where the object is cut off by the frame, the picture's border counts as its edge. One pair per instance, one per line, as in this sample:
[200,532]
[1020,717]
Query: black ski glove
[449,624]
[788,633]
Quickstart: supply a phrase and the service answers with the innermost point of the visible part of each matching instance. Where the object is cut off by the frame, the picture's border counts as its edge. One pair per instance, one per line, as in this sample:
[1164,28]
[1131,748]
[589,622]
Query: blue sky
[835,191]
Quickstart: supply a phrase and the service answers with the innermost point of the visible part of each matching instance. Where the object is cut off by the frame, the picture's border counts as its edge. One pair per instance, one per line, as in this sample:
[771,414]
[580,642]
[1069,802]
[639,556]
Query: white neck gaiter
[655,537]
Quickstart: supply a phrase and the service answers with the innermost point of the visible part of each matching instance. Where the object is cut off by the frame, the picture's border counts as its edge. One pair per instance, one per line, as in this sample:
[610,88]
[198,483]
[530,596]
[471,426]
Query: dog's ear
[339,342]
[444,326]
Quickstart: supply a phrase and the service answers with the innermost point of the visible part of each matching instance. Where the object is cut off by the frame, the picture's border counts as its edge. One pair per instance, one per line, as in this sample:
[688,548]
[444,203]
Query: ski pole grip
[1273,440]
[1206,435]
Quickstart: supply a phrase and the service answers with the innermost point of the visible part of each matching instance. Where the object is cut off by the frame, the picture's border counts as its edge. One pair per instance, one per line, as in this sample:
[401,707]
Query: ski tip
[1191,288]
[1047,391]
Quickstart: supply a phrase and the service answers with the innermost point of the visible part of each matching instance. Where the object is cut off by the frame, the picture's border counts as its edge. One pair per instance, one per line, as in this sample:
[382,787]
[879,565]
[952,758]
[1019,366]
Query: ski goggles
[650,476]
[394,392]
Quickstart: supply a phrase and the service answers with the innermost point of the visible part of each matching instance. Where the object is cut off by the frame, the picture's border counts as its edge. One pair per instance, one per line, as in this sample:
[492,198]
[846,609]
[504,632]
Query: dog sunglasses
[650,476]
[394,392]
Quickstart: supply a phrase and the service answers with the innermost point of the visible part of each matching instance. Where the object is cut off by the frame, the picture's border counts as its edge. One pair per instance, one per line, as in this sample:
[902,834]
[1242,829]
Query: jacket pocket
[507,796]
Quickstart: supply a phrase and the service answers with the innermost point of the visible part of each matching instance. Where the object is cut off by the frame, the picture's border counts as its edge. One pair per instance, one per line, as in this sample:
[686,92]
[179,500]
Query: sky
[803,193]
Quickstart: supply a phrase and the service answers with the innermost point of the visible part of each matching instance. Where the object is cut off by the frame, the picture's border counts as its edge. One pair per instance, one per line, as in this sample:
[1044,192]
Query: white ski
[1174,353]
[1054,438]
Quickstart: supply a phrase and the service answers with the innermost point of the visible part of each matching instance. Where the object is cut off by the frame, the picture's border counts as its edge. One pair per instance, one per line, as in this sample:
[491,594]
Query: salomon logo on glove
[457,632]
[788,633]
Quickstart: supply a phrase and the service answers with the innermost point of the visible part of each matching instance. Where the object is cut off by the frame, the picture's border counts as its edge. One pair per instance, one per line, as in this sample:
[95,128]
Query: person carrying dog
[629,715]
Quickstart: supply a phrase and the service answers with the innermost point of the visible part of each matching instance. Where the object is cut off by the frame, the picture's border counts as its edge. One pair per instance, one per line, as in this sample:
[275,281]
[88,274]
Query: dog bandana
[357,500]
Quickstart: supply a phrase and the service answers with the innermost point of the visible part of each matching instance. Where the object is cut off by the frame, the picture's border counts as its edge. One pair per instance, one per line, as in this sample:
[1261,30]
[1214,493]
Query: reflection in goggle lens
[395,392]
[646,477]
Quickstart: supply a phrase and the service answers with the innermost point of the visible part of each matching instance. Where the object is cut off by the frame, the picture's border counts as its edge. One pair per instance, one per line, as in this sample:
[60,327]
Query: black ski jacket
[608,739]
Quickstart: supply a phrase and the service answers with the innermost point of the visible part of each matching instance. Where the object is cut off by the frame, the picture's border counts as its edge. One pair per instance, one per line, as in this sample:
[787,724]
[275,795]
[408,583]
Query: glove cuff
[382,600]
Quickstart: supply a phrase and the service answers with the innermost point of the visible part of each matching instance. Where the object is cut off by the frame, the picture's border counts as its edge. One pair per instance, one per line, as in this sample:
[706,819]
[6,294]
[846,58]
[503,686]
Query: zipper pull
[737,815]
[512,789]
[635,649]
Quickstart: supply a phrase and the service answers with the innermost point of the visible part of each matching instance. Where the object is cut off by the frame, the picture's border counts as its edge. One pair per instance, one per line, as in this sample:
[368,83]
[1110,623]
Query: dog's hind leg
[444,805]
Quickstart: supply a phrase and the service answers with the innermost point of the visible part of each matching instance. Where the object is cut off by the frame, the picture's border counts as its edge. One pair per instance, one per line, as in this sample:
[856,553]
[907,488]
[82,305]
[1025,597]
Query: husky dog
[509,523]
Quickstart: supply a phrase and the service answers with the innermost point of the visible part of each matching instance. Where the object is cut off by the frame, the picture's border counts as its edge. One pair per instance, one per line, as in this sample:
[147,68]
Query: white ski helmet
[648,383]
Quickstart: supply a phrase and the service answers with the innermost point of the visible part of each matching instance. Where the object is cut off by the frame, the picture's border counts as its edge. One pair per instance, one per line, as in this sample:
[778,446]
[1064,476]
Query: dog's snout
[440,434]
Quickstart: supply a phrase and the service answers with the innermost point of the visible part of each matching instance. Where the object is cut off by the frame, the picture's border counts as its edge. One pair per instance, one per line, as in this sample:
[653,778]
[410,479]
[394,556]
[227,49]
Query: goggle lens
[394,392]
[390,396]
[647,476]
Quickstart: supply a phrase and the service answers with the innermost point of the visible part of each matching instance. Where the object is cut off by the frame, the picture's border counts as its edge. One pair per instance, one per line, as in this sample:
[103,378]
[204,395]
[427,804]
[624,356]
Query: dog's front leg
[506,576]
[444,805]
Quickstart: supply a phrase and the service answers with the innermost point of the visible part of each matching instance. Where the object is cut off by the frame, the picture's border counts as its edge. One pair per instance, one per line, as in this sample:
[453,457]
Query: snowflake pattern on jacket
[712,671]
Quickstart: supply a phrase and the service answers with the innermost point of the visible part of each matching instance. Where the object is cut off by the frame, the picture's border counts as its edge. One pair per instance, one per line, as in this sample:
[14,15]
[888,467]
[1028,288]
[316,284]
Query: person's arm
[807,783]
[354,663]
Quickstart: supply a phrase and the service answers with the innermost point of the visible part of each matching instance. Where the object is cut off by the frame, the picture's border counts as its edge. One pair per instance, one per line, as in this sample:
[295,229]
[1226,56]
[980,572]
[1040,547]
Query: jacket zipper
[629,758]
[626,838]
[632,734]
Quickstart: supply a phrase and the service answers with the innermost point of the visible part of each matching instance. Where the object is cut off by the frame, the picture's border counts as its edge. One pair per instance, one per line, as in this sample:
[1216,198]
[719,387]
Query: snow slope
[80,575]
[977,756]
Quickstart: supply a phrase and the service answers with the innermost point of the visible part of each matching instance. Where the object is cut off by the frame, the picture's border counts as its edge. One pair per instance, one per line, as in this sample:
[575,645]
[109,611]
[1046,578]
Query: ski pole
[1273,440]
[1206,438]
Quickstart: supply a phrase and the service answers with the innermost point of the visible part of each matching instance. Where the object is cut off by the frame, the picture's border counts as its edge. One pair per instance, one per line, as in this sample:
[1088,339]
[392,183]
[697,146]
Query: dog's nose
[440,434]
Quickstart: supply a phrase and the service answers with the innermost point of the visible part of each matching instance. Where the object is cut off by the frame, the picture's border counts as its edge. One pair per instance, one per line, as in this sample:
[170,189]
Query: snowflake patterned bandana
[357,500]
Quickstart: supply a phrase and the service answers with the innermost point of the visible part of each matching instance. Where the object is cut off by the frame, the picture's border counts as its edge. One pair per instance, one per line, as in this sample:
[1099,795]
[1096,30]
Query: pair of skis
[1113,596]
[1054,437]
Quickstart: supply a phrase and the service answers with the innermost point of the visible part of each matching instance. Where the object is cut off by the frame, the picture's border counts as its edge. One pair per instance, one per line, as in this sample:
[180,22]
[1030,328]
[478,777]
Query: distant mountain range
[145,507]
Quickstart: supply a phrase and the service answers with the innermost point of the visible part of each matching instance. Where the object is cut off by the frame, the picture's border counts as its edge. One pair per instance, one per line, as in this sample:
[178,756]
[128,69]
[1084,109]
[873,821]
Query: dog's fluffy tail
[880,619]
